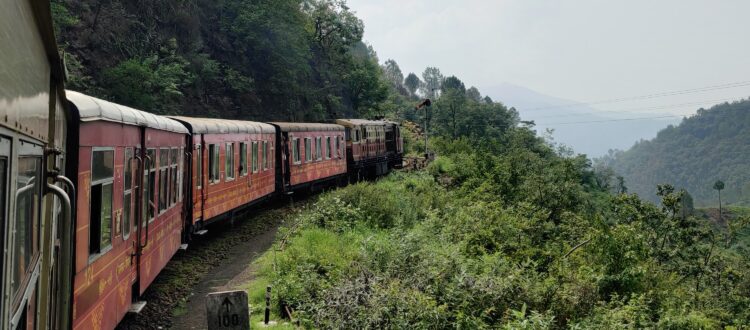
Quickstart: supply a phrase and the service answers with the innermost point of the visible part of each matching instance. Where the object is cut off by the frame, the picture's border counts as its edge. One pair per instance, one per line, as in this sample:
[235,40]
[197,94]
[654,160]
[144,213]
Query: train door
[148,209]
[21,267]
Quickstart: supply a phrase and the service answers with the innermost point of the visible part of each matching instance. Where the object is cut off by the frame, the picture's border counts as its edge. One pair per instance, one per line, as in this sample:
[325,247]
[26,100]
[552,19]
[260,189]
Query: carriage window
[3,196]
[338,146]
[319,148]
[26,229]
[213,163]
[270,154]
[295,151]
[199,166]
[180,164]
[243,159]
[308,150]
[229,161]
[173,168]
[265,155]
[127,201]
[163,179]
[328,147]
[149,177]
[254,152]
[100,224]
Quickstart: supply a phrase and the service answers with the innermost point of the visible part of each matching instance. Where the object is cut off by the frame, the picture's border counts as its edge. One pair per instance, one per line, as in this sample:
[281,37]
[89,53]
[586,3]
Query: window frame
[296,157]
[163,186]
[93,256]
[265,156]
[127,192]
[214,158]
[254,155]
[243,159]
[338,146]
[151,196]
[174,184]
[229,164]
[328,154]
[25,149]
[199,167]
[318,148]
[308,150]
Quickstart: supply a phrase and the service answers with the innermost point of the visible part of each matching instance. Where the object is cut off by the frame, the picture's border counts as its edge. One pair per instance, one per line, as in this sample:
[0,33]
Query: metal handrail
[147,169]
[66,259]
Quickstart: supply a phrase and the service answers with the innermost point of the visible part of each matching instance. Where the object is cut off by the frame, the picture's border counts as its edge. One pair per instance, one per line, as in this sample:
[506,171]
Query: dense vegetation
[296,60]
[709,146]
[505,232]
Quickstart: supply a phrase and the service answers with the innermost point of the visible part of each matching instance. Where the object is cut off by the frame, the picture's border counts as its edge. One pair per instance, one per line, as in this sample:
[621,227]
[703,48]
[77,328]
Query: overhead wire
[640,110]
[649,96]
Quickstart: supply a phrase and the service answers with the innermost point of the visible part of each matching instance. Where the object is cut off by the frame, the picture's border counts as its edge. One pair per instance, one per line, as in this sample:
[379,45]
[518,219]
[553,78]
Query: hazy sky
[581,50]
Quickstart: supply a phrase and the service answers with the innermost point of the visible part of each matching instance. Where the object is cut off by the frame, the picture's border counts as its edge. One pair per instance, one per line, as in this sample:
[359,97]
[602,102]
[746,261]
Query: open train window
[100,223]
[163,179]
[243,159]
[295,151]
[308,150]
[328,147]
[254,152]
[198,166]
[319,148]
[338,146]
[229,161]
[213,163]
[127,196]
[173,156]
[265,155]
[149,179]
[180,169]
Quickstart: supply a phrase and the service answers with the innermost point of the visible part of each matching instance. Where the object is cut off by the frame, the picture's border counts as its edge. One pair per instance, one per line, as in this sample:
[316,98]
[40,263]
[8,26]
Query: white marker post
[227,310]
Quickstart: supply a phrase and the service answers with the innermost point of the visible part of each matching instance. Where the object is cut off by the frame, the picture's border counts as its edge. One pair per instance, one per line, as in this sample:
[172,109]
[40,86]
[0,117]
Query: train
[97,197]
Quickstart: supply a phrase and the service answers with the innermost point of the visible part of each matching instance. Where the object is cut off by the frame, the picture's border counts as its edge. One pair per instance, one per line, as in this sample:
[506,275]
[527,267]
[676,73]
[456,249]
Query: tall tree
[719,186]
[433,81]
[412,83]
[393,73]
[454,96]
[473,94]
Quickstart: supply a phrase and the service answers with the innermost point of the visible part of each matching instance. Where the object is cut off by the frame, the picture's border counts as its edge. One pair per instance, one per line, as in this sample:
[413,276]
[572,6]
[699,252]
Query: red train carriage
[366,147]
[32,125]
[394,145]
[129,208]
[312,156]
[232,166]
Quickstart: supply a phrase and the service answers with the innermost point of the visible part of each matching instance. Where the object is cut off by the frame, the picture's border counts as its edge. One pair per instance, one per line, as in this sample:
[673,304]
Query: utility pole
[426,104]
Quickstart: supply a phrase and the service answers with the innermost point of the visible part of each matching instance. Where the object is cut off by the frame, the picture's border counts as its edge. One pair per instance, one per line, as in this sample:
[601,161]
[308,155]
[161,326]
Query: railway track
[216,260]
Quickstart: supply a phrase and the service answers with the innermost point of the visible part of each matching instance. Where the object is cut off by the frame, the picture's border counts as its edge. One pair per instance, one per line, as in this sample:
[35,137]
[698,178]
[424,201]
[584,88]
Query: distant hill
[592,139]
[712,145]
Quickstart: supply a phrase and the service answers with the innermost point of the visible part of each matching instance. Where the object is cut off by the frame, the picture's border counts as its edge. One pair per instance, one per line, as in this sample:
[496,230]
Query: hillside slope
[712,145]
[265,60]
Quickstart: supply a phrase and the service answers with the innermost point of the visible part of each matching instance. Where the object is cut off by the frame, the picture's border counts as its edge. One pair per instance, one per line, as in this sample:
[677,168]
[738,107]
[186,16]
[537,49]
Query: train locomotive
[96,197]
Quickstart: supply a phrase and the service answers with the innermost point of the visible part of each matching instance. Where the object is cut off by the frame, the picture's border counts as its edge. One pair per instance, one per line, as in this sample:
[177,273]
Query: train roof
[307,127]
[359,122]
[223,126]
[93,109]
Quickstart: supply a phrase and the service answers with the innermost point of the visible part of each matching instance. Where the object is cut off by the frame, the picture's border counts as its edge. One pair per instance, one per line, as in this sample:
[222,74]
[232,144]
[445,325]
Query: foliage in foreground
[504,235]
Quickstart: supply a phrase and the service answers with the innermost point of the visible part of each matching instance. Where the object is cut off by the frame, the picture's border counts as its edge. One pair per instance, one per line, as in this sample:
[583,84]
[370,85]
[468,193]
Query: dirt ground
[232,272]
[217,261]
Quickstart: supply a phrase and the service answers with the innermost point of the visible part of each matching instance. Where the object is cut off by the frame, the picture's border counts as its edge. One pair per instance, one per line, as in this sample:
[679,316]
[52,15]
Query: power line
[640,110]
[612,120]
[650,96]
